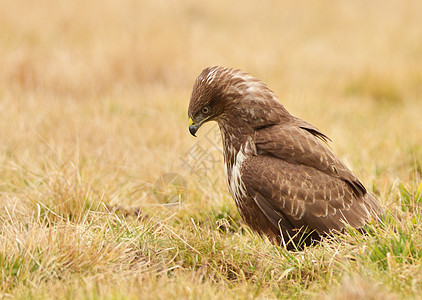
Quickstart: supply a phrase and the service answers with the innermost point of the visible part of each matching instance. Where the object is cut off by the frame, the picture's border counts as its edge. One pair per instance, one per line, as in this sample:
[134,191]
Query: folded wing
[302,145]
[303,196]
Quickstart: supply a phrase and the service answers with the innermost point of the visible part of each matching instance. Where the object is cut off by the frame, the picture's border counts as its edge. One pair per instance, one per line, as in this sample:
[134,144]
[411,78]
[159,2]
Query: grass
[105,195]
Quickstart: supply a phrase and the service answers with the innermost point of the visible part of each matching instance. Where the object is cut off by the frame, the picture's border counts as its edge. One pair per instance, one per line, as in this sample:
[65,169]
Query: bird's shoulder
[300,143]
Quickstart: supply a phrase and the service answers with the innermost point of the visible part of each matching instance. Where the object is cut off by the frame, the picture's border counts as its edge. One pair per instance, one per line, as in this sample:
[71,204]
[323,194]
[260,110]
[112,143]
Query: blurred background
[98,90]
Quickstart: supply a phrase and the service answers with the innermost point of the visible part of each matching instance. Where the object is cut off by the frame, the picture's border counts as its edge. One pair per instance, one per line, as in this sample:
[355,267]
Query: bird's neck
[236,134]
[238,142]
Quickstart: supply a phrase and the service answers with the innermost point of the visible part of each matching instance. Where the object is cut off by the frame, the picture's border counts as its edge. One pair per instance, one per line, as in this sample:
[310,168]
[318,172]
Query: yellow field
[93,102]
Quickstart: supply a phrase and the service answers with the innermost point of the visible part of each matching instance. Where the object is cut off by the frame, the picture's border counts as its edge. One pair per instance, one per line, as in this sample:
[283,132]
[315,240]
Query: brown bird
[286,182]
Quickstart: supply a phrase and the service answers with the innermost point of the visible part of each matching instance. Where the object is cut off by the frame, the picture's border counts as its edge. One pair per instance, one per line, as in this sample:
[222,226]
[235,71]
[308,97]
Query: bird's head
[222,93]
[208,98]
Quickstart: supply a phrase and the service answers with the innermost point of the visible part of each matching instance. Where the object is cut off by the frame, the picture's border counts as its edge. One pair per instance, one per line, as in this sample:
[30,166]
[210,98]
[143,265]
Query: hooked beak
[193,127]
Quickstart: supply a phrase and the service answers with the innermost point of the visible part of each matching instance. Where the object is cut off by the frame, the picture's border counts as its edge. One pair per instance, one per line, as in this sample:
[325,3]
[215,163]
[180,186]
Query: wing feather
[297,145]
[276,187]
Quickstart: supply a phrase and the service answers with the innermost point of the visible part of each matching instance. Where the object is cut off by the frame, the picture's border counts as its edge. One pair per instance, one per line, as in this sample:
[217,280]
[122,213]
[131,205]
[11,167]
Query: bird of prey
[287,184]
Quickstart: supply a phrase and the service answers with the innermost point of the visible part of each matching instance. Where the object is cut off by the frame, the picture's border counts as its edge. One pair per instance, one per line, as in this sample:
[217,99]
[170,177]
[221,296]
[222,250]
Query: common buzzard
[287,184]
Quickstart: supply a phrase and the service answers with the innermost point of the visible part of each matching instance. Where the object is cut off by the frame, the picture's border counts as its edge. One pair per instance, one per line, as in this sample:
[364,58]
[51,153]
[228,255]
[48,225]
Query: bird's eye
[205,110]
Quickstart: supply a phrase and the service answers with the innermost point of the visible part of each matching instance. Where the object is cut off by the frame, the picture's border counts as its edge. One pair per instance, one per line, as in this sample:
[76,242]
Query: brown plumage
[286,183]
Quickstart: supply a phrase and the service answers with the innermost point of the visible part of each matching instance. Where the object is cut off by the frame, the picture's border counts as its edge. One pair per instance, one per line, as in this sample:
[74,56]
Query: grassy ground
[93,100]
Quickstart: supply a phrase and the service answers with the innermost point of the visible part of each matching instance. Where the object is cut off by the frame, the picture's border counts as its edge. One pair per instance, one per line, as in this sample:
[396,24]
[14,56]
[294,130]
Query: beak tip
[193,130]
